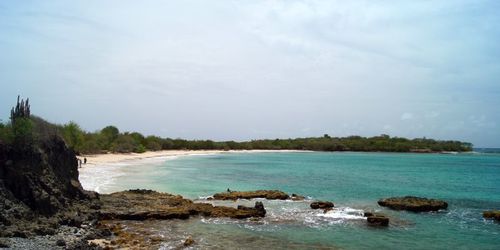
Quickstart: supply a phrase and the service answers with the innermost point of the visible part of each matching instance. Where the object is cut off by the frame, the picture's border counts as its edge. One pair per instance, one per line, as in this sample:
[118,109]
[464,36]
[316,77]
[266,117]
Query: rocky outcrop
[414,204]
[267,194]
[148,204]
[492,214]
[376,219]
[39,189]
[296,197]
[322,205]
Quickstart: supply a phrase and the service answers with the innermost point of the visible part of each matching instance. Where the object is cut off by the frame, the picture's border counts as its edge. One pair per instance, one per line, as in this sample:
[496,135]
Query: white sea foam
[343,213]
[102,178]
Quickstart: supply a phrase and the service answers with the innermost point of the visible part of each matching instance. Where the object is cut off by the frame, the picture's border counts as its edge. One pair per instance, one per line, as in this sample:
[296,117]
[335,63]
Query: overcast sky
[237,70]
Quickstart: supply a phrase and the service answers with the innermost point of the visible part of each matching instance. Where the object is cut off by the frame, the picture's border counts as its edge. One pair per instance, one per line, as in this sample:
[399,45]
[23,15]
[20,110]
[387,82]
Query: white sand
[100,159]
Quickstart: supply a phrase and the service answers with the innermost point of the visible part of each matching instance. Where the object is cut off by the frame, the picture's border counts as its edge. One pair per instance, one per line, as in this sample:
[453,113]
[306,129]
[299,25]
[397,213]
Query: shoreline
[102,171]
[100,159]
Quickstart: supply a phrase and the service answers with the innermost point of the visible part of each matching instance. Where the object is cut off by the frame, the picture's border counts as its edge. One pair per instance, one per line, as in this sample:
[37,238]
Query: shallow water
[470,183]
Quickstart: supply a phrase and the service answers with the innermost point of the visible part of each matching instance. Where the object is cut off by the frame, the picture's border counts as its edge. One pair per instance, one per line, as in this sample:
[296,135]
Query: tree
[124,144]
[73,135]
[153,143]
[108,135]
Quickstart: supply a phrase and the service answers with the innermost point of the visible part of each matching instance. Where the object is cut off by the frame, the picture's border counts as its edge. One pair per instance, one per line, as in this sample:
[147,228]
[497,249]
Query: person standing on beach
[84,160]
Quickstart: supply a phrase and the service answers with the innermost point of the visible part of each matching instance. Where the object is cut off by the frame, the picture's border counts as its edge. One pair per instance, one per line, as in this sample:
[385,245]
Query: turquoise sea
[470,183]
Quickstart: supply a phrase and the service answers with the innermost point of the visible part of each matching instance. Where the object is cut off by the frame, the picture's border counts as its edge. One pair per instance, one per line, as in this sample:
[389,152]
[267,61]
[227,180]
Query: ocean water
[470,183]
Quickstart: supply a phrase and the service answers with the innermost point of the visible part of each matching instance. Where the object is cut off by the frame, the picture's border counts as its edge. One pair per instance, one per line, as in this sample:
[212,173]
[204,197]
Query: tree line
[25,128]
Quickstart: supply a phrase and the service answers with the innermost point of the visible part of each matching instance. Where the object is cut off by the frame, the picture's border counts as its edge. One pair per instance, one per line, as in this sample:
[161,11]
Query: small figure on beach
[228,190]
[84,160]
[79,162]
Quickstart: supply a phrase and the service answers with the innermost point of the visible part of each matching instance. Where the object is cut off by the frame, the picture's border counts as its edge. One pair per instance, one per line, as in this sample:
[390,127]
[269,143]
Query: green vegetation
[25,128]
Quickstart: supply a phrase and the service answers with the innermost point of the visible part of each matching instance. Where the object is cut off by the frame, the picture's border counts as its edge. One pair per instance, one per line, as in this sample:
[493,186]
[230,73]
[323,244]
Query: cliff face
[39,189]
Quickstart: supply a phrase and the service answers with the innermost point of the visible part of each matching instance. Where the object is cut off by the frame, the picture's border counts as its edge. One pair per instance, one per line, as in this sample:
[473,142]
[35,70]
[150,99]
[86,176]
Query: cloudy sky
[258,69]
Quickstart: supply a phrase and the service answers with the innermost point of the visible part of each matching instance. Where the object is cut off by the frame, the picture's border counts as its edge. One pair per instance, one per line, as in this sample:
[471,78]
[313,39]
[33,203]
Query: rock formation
[492,214]
[414,204]
[376,219]
[267,194]
[321,205]
[148,204]
[297,197]
[39,189]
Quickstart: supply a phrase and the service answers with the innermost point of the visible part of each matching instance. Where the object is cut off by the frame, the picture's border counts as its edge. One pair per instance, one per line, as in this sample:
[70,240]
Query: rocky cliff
[39,189]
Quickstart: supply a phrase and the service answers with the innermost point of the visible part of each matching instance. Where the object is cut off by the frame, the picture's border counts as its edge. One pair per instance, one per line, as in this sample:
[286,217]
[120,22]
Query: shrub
[22,131]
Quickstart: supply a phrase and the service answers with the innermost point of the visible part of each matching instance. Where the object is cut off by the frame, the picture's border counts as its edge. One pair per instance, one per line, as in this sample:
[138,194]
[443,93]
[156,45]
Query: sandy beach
[99,159]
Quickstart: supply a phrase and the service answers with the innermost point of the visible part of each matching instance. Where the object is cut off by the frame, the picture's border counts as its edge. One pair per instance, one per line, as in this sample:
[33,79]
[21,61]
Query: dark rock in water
[321,205]
[39,188]
[493,214]
[378,221]
[61,242]
[133,205]
[189,241]
[414,204]
[258,209]
[267,194]
[297,197]
[368,214]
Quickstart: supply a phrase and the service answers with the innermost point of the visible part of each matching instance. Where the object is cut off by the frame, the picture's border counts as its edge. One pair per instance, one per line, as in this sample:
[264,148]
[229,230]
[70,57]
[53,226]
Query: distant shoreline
[98,159]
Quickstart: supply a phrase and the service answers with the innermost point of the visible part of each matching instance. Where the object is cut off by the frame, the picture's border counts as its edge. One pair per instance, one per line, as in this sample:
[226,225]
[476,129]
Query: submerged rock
[267,194]
[378,220]
[322,205]
[414,204]
[492,214]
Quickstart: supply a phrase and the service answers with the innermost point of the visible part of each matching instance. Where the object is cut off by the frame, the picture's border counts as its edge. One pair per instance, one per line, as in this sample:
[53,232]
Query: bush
[6,135]
[73,135]
[22,130]
[124,144]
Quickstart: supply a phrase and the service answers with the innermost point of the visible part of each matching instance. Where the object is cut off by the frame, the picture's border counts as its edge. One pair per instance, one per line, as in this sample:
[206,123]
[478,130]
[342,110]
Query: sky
[239,70]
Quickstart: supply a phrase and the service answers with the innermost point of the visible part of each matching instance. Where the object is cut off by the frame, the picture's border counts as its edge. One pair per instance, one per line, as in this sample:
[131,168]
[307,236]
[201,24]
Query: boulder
[189,241]
[61,242]
[368,214]
[297,197]
[378,220]
[322,205]
[492,214]
[267,194]
[414,204]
